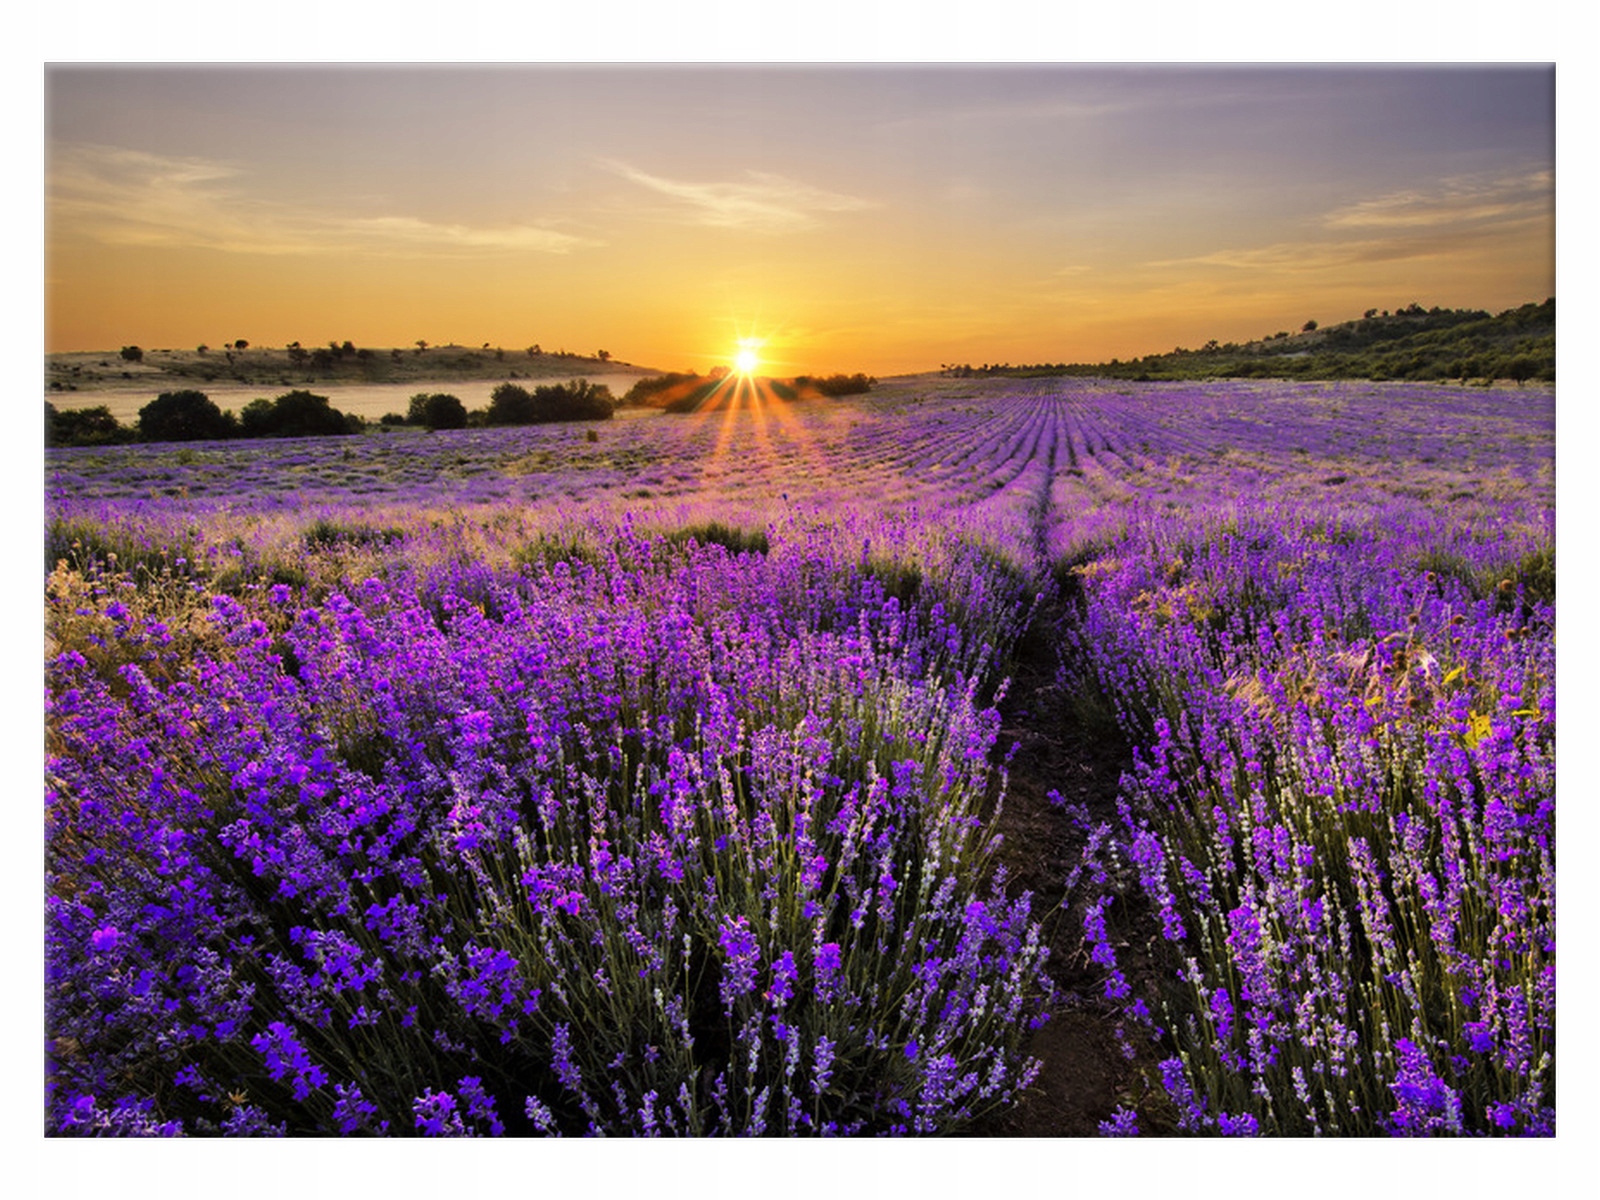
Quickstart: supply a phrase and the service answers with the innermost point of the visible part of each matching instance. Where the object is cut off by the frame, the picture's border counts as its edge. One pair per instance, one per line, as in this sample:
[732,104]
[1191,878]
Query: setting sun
[746,361]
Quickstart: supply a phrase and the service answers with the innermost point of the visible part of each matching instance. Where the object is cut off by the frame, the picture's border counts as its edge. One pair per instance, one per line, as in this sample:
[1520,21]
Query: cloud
[1306,256]
[1453,216]
[131,198]
[1457,201]
[761,203]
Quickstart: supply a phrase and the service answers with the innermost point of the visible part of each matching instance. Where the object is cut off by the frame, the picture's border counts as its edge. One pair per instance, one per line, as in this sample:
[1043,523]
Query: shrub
[324,534]
[836,385]
[440,410]
[295,414]
[511,404]
[1342,828]
[579,400]
[83,427]
[659,390]
[439,858]
[185,416]
[715,533]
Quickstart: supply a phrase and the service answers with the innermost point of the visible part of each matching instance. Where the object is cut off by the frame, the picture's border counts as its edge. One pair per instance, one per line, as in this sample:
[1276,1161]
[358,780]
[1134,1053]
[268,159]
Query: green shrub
[184,416]
[714,533]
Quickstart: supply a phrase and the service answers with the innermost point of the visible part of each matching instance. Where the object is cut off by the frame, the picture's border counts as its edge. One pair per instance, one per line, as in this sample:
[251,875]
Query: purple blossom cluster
[652,838]
[495,782]
[1341,817]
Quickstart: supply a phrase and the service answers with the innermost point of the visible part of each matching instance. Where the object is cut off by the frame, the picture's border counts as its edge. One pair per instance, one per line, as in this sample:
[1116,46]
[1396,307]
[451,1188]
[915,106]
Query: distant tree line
[190,416]
[339,359]
[835,385]
[686,391]
[1410,343]
[511,404]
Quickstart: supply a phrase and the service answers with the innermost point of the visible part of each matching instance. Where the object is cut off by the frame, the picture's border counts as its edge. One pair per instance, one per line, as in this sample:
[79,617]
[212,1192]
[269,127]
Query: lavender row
[1342,818]
[547,690]
[640,838]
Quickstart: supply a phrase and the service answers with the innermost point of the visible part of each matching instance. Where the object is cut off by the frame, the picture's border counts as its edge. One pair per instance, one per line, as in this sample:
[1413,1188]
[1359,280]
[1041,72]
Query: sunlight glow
[745,361]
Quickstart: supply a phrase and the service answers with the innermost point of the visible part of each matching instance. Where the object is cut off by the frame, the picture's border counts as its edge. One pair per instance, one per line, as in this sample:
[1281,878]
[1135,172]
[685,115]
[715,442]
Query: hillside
[1412,343]
[294,365]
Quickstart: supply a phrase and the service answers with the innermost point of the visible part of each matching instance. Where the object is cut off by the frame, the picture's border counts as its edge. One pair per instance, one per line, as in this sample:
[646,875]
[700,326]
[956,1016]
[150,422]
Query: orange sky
[882,219]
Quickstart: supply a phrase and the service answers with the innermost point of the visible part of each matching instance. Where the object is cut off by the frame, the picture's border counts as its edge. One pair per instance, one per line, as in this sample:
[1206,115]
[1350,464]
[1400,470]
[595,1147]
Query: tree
[241,344]
[294,414]
[1308,326]
[443,411]
[256,418]
[511,404]
[82,427]
[185,416]
[603,355]
[132,354]
[422,344]
[201,348]
[579,400]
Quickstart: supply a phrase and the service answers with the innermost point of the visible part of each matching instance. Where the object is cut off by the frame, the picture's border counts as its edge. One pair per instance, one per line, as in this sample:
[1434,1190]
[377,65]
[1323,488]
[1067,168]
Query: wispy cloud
[1458,201]
[1448,218]
[1310,256]
[129,197]
[761,202]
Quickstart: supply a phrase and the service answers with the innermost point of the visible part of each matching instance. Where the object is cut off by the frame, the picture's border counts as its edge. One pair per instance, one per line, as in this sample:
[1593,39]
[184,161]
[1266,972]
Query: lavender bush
[651,839]
[1342,816]
[490,782]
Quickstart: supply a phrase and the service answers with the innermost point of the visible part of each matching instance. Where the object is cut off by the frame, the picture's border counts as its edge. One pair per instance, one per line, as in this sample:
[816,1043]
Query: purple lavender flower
[436,1115]
[1124,1122]
[741,960]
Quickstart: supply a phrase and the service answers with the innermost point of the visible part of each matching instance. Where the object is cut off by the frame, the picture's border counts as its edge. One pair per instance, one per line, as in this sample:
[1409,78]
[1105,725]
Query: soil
[1086,1073]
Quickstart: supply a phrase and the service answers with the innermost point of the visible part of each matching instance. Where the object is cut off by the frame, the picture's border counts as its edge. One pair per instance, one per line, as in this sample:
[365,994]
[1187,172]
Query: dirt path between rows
[1086,1073]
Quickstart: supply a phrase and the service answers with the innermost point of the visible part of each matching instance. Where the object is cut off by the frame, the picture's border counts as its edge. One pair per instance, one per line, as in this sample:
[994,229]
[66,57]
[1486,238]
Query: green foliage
[731,538]
[83,427]
[91,547]
[902,580]
[687,401]
[511,404]
[1528,582]
[549,549]
[324,534]
[836,385]
[438,410]
[579,400]
[295,414]
[660,390]
[185,416]
[1413,344]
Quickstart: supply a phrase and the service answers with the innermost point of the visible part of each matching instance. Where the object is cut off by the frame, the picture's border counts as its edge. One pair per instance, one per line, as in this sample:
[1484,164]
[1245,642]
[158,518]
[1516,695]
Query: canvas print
[806,601]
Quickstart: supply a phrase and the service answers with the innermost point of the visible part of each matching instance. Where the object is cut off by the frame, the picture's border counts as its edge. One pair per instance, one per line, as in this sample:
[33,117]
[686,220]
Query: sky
[887,219]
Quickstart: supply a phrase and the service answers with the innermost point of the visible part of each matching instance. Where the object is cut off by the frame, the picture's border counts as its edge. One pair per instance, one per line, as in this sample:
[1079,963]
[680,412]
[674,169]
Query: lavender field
[506,781]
